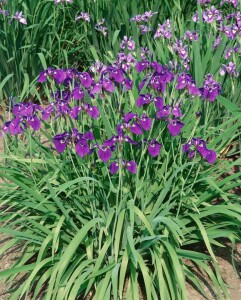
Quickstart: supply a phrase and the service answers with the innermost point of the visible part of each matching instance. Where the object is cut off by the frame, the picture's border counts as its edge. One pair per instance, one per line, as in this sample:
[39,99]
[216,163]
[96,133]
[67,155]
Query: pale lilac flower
[19,16]
[191,36]
[144,29]
[137,19]
[129,43]
[230,69]
[99,27]
[195,17]
[230,30]
[212,14]
[98,67]
[164,30]
[149,14]
[83,16]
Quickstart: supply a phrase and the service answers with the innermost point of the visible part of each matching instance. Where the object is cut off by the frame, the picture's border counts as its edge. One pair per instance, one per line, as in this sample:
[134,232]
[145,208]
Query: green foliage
[83,231]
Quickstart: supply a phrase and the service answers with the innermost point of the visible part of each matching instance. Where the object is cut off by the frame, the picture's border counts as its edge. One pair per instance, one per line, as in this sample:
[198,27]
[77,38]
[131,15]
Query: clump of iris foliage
[33,29]
[114,182]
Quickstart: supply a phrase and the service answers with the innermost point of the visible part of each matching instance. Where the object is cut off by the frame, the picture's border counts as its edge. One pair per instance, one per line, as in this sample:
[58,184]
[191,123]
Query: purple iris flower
[199,145]
[83,16]
[115,74]
[127,42]
[85,79]
[99,27]
[142,65]
[62,109]
[77,93]
[211,89]
[191,36]
[146,99]
[146,64]
[195,17]
[103,85]
[19,16]
[33,121]
[129,165]
[175,126]
[144,52]
[58,75]
[154,148]
[125,62]
[148,15]
[98,67]
[158,80]
[164,30]
[48,111]
[79,139]
[92,111]
[104,152]
[26,109]
[134,128]
[145,29]
[143,122]
[164,112]
[127,84]
[137,19]
[81,142]
[233,2]
[185,81]
[212,14]
[182,50]
[44,74]
[61,141]
[230,69]
[13,126]
[27,114]
[64,95]
[168,110]
[230,31]
[228,52]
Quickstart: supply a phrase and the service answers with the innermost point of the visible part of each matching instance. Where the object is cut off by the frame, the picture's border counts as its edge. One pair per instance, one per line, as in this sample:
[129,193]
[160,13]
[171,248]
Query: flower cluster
[79,98]
[200,146]
[164,30]
[211,89]
[3,11]
[25,115]
[146,19]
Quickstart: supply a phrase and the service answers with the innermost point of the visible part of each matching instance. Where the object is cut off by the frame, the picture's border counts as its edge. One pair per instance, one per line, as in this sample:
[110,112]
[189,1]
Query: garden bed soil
[223,258]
